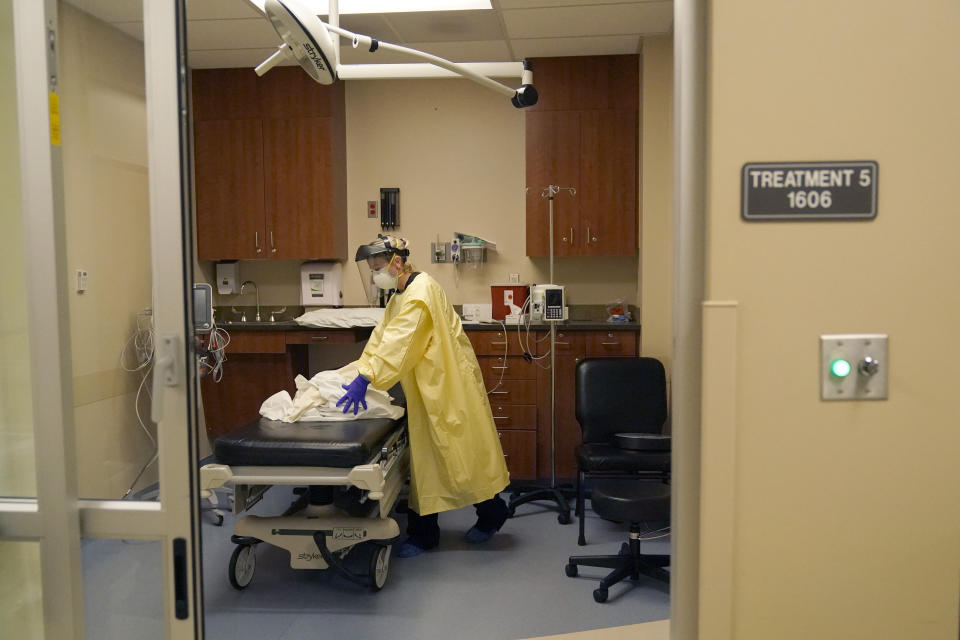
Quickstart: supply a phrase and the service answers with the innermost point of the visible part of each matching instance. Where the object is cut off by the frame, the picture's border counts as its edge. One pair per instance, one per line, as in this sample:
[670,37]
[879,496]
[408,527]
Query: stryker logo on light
[313,56]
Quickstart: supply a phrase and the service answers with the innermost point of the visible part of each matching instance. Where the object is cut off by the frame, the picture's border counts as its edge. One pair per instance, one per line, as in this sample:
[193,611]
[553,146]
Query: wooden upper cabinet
[229,187]
[553,158]
[587,82]
[270,165]
[584,134]
[608,183]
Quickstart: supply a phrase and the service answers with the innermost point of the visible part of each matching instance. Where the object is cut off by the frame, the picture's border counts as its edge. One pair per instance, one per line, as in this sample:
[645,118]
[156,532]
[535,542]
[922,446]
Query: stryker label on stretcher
[809,191]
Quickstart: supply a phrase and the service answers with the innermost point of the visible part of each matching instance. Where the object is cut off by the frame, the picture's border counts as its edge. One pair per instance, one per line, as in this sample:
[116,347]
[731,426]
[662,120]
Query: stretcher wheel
[243,563]
[379,566]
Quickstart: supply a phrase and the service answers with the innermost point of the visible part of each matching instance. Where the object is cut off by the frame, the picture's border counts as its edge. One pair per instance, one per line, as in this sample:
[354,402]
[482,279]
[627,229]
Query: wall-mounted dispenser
[228,277]
[320,284]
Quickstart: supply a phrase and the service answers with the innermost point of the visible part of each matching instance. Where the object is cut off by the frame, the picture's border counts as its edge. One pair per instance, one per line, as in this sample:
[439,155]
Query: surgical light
[313,44]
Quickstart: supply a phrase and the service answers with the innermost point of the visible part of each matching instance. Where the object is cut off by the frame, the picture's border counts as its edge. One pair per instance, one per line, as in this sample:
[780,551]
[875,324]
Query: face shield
[371,260]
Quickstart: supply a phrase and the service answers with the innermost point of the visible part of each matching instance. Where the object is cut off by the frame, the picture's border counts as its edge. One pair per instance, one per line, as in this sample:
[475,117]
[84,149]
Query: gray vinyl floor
[511,587]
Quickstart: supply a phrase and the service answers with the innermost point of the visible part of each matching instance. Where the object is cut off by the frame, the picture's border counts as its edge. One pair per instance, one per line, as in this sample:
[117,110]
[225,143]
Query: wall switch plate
[82,278]
[853,366]
[514,278]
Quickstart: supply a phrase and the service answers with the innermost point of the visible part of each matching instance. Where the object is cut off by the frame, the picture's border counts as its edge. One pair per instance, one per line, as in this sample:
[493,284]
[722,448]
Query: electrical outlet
[514,278]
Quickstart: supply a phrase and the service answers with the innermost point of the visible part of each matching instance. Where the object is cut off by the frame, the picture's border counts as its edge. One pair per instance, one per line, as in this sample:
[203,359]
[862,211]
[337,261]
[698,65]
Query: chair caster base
[571,570]
[600,595]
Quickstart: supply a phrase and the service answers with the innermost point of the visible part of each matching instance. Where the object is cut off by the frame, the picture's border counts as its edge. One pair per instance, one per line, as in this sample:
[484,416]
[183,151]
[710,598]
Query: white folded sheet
[316,399]
[342,318]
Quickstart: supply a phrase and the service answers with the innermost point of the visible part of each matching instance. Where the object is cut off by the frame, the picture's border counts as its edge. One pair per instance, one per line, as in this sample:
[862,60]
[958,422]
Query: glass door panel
[17,478]
[21,603]
[103,114]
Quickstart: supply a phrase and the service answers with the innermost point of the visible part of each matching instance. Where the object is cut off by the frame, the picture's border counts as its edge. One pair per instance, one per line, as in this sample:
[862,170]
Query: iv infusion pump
[548,303]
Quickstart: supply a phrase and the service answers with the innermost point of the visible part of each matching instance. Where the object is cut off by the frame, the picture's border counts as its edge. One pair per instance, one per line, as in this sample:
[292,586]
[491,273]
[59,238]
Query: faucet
[256,291]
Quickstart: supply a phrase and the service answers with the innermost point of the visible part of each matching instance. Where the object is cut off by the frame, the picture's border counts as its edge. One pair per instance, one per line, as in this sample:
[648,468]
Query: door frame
[57,519]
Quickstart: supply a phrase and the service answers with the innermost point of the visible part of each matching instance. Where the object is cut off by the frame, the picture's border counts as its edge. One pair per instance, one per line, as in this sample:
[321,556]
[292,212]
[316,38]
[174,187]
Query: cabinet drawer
[611,343]
[512,368]
[514,416]
[520,451]
[566,342]
[512,392]
[320,337]
[256,342]
[492,343]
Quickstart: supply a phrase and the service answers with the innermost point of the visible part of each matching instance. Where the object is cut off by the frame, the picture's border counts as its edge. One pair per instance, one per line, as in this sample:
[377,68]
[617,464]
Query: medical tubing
[320,539]
[440,62]
[506,345]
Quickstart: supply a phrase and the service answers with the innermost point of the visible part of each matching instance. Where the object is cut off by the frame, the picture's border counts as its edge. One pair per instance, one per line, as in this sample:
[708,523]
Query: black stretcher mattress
[304,444]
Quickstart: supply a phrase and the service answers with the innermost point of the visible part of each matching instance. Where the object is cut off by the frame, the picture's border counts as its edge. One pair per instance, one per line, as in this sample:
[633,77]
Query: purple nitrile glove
[354,397]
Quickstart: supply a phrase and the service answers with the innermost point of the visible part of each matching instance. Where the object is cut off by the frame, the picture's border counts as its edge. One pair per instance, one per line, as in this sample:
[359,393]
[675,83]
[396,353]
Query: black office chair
[613,396]
[640,503]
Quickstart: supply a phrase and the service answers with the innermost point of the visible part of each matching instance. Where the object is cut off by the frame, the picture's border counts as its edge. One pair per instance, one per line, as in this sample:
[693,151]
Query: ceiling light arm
[314,44]
[526,95]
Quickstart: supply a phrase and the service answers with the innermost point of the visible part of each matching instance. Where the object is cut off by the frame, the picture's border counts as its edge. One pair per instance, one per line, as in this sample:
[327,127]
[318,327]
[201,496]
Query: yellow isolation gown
[455,454]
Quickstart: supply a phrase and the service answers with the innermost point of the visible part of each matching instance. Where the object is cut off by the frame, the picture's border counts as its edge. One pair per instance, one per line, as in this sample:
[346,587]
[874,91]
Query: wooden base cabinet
[519,393]
[511,384]
[572,347]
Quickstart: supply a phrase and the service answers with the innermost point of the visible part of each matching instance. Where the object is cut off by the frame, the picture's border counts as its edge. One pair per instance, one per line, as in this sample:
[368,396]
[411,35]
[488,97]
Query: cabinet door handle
[256,241]
[501,417]
[319,337]
[609,344]
[499,393]
[591,239]
[273,247]
[565,344]
[571,235]
[503,367]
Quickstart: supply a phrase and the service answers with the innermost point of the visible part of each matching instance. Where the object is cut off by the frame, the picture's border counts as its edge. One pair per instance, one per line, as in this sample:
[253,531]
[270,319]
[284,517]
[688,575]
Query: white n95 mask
[384,279]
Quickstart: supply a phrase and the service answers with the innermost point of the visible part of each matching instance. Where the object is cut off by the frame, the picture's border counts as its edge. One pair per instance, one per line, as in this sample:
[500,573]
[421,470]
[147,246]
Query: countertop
[584,318]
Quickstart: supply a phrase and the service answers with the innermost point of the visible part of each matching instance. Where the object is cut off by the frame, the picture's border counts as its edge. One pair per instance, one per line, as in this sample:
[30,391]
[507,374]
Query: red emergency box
[505,296]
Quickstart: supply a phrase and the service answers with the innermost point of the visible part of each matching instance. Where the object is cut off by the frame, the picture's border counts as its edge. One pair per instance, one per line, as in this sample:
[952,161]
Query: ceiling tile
[588,46]
[220,10]
[446,26]
[231,34]
[598,20]
[483,51]
[368,24]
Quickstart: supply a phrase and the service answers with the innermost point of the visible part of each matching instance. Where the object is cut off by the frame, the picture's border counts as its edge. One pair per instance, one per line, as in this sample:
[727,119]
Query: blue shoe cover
[477,536]
[407,549]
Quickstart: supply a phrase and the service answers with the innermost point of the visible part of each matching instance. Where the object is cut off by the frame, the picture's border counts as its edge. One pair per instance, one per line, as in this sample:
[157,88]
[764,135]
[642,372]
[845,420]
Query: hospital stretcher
[356,468]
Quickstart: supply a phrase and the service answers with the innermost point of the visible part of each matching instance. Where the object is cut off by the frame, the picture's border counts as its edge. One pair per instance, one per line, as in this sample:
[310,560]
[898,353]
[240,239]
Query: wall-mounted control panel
[853,366]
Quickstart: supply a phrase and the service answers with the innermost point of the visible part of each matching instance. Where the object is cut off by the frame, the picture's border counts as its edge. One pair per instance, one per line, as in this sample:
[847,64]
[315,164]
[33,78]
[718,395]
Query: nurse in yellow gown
[455,454]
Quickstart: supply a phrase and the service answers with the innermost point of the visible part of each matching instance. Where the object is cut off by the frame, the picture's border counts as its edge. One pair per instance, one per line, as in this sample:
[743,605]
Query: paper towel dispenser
[321,284]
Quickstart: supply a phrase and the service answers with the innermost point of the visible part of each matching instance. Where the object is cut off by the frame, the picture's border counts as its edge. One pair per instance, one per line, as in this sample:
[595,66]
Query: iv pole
[522,495]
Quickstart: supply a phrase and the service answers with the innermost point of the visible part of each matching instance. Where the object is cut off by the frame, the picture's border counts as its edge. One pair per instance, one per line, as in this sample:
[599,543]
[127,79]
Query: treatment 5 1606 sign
[809,191]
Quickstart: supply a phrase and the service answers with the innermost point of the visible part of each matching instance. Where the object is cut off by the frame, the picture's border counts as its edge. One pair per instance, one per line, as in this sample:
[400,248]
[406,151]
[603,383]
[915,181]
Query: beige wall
[656,200]
[840,519]
[456,150]
[108,233]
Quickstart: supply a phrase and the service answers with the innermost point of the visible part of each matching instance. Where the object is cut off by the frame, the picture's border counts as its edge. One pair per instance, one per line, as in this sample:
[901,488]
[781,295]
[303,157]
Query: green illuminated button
[840,368]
